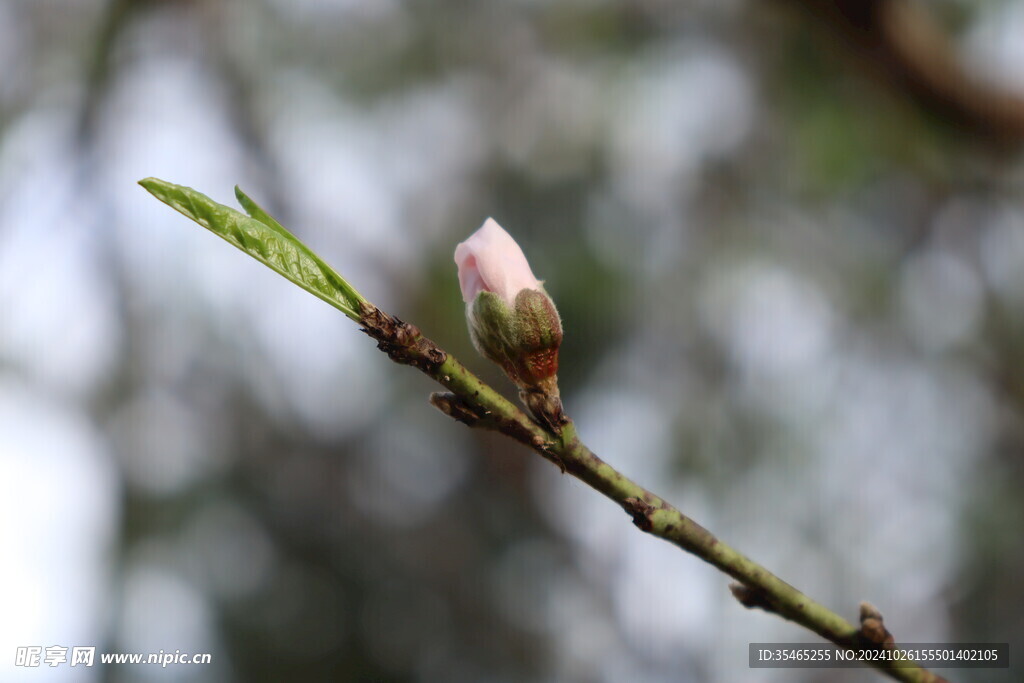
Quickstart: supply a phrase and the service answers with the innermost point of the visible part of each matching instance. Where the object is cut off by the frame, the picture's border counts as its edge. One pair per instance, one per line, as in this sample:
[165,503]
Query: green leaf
[256,211]
[263,238]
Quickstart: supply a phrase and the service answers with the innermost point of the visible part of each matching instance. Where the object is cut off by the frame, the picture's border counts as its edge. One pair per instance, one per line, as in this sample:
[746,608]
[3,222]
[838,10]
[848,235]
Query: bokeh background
[786,239]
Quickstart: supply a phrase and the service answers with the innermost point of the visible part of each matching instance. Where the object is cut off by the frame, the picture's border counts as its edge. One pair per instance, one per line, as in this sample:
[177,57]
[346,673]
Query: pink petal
[490,260]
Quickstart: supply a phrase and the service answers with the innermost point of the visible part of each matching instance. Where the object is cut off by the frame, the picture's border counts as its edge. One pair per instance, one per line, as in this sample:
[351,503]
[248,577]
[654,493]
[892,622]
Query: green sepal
[491,328]
[536,321]
[523,340]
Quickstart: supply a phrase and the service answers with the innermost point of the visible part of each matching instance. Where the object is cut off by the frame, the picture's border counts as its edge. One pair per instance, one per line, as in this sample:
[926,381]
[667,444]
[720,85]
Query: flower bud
[512,320]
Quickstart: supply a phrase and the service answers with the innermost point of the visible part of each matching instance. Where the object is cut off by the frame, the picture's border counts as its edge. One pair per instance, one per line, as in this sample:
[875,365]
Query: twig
[472,402]
[476,404]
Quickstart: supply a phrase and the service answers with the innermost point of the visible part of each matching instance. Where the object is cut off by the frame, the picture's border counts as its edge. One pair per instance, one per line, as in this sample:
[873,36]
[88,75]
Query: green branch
[472,402]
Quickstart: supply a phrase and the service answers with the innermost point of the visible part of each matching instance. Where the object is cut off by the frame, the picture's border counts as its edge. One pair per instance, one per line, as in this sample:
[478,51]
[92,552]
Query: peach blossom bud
[512,320]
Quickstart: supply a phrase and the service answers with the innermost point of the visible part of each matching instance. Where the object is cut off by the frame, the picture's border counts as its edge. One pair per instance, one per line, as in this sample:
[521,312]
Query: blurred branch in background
[904,44]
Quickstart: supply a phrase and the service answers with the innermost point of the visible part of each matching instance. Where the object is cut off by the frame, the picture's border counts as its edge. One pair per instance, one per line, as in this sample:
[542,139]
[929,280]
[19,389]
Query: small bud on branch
[512,320]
